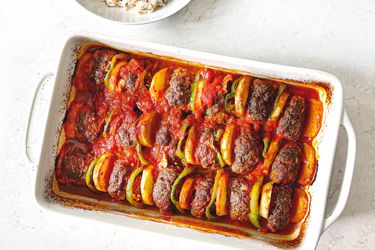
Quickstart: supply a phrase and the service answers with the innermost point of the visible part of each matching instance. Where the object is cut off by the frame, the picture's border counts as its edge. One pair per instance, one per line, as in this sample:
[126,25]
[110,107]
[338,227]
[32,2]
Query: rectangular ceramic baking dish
[334,116]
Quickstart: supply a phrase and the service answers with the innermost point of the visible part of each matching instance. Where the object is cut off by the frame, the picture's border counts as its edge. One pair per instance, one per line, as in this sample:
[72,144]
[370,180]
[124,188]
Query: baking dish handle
[28,151]
[348,174]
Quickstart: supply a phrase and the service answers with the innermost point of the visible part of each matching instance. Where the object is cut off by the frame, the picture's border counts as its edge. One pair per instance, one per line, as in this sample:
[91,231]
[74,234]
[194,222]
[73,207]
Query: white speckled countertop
[330,35]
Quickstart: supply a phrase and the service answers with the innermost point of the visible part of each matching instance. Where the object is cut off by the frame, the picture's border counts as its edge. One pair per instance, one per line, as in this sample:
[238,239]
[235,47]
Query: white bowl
[99,8]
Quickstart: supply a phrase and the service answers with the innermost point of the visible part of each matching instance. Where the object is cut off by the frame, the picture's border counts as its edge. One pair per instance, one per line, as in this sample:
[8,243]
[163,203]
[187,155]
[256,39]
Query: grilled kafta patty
[291,122]
[247,149]
[163,188]
[102,59]
[178,93]
[72,164]
[203,189]
[205,154]
[286,165]
[118,179]
[261,100]
[239,199]
[280,208]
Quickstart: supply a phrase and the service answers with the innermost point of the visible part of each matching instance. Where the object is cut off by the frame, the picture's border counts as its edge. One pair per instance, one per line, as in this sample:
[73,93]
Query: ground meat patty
[102,59]
[171,149]
[166,143]
[247,149]
[88,125]
[291,122]
[126,134]
[202,197]
[163,136]
[73,164]
[204,153]
[262,99]
[286,165]
[218,104]
[178,93]
[280,208]
[131,75]
[239,200]
[118,180]
[163,188]
[129,81]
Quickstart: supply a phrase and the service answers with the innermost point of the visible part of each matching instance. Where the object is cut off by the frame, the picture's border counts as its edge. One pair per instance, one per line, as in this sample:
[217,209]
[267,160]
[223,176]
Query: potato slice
[190,145]
[72,96]
[314,118]
[198,96]
[265,200]
[147,184]
[241,95]
[159,83]
[146,129]
[271,154]
[227,143]
[114,75]
[222,195]
[300,205]
[102,172]
[279,106]
[186,194]
[308,168]
[61,140]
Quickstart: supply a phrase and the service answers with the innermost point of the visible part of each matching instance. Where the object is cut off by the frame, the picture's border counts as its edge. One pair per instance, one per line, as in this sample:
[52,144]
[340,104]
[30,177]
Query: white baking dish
[334,117]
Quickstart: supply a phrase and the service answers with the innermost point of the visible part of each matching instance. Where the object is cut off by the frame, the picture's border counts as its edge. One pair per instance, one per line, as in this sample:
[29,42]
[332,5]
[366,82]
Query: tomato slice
[81,79]
[314,118]
[308,168]
[71,120]
[190,145]
[300,205]
[186,194]
[222,194]
[102,172]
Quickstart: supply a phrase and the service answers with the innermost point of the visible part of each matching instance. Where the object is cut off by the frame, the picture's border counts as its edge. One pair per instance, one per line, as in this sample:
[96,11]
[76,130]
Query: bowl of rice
[133,11]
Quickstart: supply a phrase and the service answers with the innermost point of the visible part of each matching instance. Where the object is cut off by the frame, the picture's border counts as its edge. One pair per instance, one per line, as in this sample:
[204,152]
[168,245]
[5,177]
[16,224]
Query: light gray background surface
[329,35]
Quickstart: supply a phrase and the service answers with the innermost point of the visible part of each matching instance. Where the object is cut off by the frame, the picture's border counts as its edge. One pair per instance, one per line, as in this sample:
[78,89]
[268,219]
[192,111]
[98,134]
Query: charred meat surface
[178,92]
[102,59]
[203,189]
[163,188]
[130,81]
[239,200]
[88,126]
[247,149]
[131,75]
[163,136]
[170,149]
[262,99]
[286,165]
[73,164]
[291,122]
[126,135]
[204,153]
[218,104]
[127,132]
[280,208]
[166,142]
[118,179]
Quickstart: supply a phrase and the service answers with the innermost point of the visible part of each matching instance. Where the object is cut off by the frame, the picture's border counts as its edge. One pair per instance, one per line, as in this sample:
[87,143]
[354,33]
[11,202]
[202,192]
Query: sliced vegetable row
[210,195]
